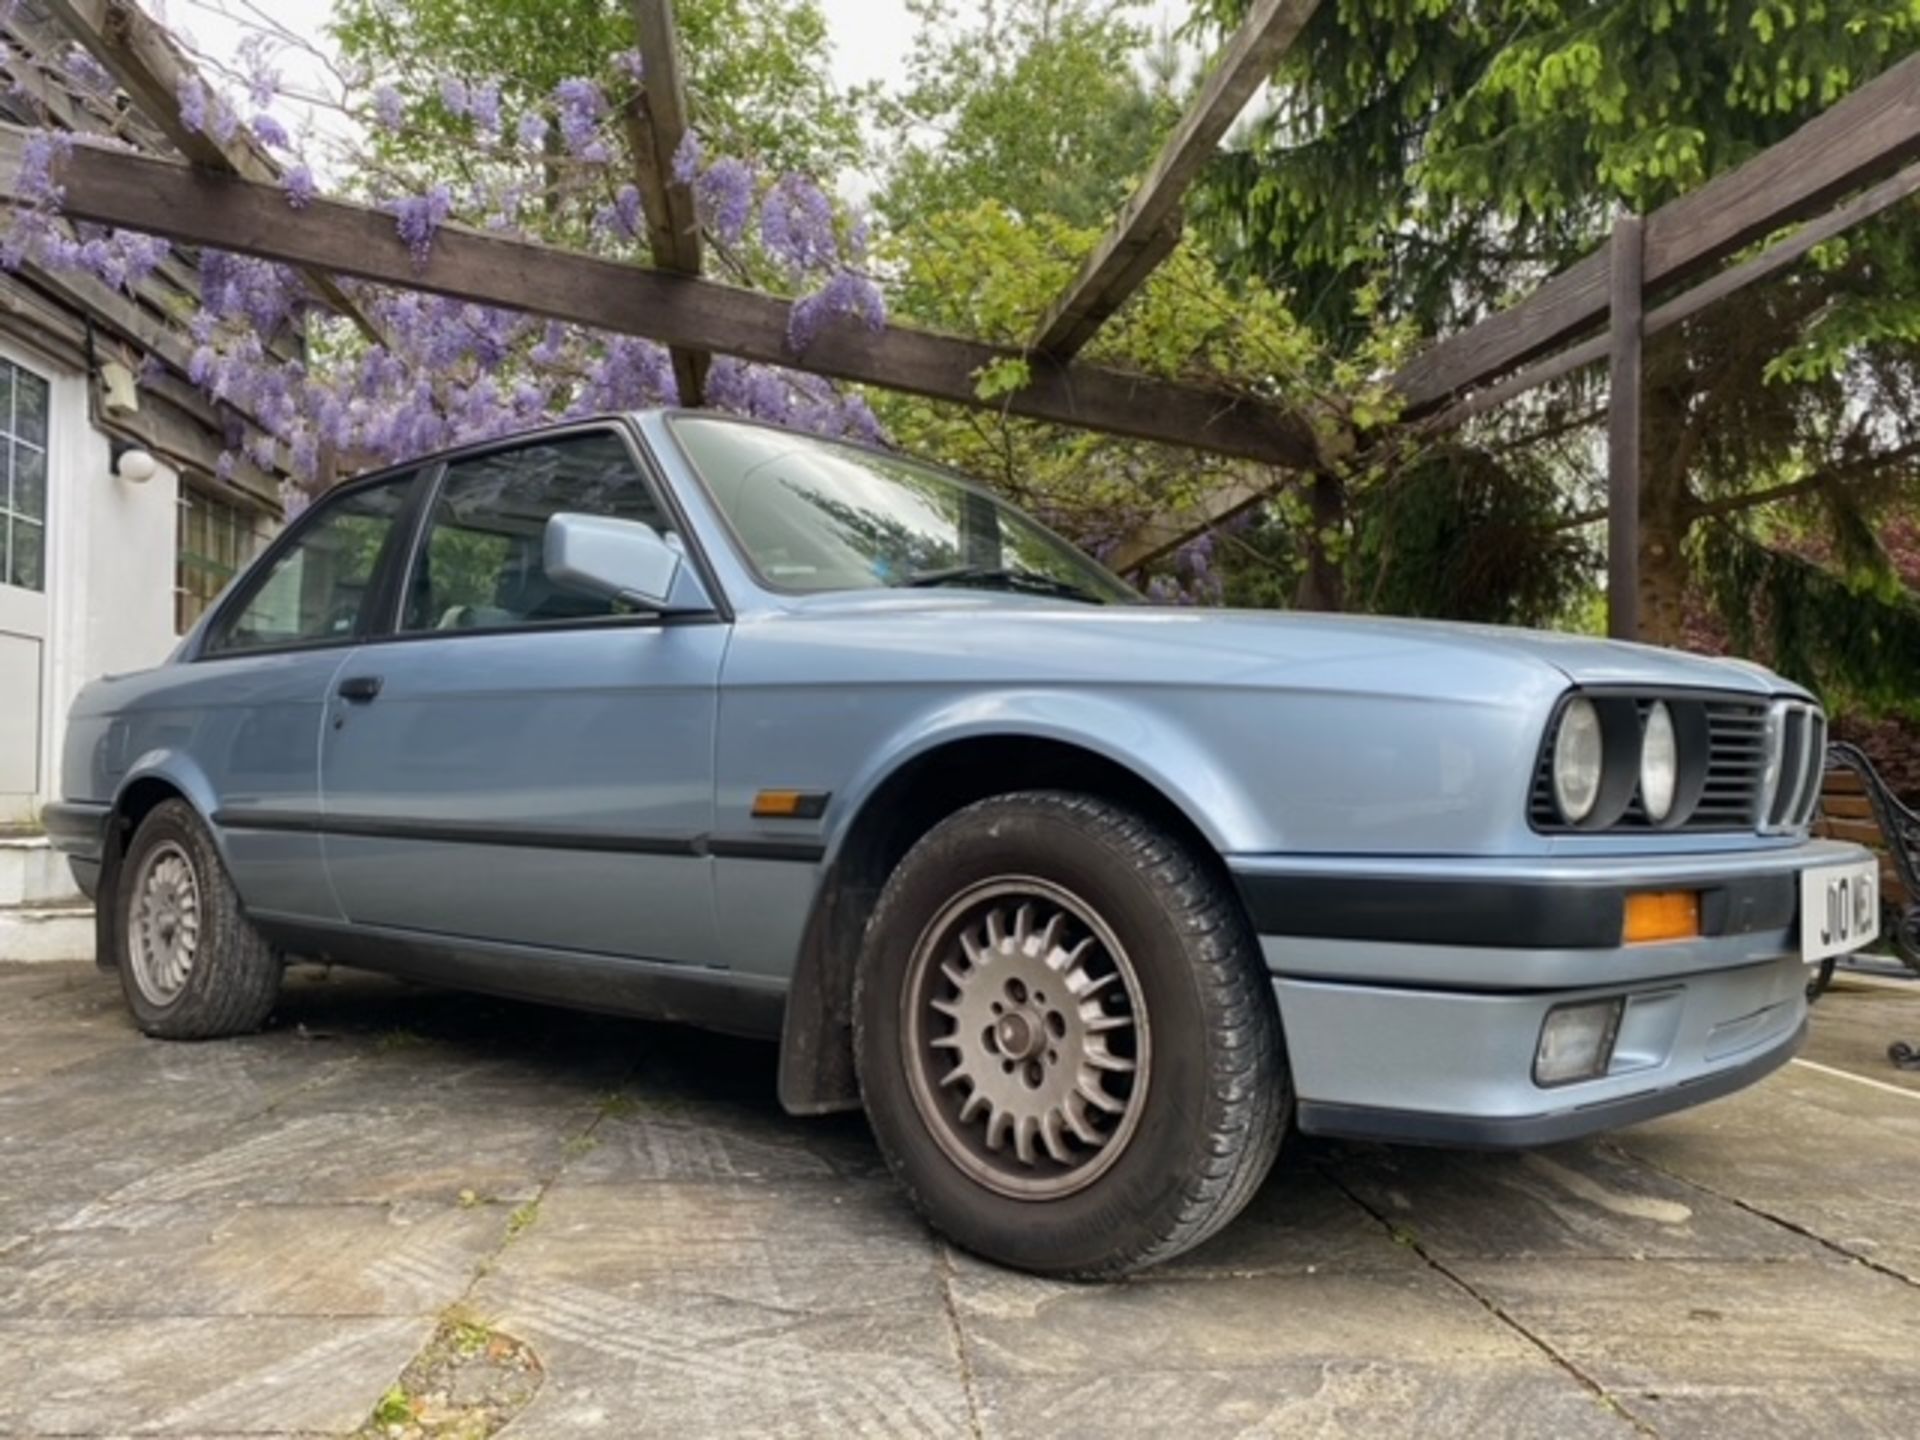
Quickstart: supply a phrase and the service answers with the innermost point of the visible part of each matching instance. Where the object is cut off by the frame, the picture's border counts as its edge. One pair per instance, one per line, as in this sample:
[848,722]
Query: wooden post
[1627,262]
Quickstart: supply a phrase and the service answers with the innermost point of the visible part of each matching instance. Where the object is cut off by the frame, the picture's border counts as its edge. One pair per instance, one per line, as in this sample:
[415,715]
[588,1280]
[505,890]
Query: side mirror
[620,559]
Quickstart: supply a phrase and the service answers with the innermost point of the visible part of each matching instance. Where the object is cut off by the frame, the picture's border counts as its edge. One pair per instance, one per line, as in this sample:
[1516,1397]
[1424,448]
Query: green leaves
[1001,378]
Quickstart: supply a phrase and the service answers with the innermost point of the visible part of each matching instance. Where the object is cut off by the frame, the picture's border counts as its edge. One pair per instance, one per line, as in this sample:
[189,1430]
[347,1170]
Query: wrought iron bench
[1855,804]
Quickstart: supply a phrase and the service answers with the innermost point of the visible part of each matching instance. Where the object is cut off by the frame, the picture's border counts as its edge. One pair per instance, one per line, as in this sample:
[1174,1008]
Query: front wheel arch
[1081,921]
[816,1048]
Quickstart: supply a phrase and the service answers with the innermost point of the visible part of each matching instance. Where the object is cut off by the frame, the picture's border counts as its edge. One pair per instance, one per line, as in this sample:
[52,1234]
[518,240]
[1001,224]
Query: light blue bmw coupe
[1088,901]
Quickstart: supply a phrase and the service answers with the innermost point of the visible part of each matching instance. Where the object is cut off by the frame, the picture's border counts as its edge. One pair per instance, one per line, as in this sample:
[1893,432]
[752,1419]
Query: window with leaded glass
[217,538]
[23,487]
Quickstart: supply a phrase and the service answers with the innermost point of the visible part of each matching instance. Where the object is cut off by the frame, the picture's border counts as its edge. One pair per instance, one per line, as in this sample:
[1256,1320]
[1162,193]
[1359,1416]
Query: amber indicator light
[789,805]
[1662,915]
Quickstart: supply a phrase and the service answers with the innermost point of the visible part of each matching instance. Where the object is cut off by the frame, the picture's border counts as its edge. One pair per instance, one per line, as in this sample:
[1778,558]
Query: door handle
[360,688]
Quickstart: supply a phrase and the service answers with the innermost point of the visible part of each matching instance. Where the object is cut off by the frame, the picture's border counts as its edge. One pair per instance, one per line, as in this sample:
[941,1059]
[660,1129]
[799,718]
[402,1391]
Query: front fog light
[1576,1043]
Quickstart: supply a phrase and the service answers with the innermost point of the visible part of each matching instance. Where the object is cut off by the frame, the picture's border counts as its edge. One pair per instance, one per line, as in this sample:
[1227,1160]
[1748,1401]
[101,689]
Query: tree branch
[1733,504]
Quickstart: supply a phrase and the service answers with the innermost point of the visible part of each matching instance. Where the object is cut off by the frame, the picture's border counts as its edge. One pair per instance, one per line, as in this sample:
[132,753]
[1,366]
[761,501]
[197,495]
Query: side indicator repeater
[790,804]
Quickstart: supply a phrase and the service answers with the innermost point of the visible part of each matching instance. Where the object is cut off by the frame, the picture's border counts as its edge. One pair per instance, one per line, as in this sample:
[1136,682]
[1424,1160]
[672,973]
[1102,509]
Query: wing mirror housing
[622,560]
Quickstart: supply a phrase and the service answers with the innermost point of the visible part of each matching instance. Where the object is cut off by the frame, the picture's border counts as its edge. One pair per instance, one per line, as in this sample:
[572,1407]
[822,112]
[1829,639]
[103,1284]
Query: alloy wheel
[1029,1053]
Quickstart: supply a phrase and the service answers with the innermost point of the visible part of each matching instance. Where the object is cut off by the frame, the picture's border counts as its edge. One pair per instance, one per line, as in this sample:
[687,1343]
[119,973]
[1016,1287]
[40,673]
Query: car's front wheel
[1066,1041]
[191,964]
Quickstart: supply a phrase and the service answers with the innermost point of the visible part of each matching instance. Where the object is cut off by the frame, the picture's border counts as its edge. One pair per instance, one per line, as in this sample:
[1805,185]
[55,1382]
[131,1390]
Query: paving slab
[1300,1223]
[1856,1021]
[255,1237]
[403,1152]
[1366,1352]
[1825,1154]
[1712,1348]
[295,1260]
[198,1376]
[802,1309]
[1018,1324]
[28,1053]
[644,1140]
[1365,1399]
[1568,1201]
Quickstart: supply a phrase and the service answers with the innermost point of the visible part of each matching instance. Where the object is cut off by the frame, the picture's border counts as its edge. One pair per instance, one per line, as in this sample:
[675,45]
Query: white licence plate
[1839,908]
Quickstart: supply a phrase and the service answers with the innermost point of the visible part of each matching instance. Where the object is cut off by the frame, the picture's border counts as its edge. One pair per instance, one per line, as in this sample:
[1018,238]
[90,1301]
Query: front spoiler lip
[1517,1132]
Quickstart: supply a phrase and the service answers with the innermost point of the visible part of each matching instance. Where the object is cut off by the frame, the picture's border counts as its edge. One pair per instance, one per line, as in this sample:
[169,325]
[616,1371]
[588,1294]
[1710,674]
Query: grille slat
[1741,740]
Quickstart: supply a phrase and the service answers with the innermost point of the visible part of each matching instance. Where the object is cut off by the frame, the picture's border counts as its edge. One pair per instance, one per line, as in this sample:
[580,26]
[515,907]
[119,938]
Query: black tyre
[191,964]
[1066,1040]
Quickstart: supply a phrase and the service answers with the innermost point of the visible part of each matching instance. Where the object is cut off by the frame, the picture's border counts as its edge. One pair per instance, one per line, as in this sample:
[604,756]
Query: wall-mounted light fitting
[133,464]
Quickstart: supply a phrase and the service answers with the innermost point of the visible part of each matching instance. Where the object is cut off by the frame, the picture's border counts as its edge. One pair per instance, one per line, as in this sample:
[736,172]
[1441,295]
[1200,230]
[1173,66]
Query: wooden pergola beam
[1148,226]
[165,197]
[1751,271]
[1171,529]
[1868,133]
[656,125]
[150,68]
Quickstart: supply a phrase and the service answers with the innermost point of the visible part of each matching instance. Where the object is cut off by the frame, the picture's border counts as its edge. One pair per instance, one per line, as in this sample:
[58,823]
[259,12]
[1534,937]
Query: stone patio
[256,1237]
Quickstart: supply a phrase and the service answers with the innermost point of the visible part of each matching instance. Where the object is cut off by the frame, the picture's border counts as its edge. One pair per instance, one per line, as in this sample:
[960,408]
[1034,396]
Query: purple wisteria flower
[418,217]
[796,225]
[224,123]
[192,96]
[687,157]
[388,108]
[581,108]
[44,149]
[270,132]
[453,94]
[483,104]
[627,208]
[532,130]
[725,198]
[256,60]
[847,293]
[300,187]
[630,64]
[86,72]
[629,373]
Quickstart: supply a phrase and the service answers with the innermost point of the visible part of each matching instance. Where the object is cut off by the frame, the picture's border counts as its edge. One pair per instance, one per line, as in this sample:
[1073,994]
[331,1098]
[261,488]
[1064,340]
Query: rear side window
[315,589]
[481,565]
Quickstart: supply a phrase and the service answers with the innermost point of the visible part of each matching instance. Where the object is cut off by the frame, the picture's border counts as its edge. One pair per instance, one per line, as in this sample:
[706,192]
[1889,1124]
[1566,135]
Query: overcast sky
[870,41]
[870,37]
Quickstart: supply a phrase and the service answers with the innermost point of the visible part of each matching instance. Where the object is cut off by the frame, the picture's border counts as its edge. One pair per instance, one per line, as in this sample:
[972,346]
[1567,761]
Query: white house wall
[110,561]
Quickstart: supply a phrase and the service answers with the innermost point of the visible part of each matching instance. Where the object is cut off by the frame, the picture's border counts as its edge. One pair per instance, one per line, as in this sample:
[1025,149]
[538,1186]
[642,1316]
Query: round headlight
[1576,761]
[1659,763]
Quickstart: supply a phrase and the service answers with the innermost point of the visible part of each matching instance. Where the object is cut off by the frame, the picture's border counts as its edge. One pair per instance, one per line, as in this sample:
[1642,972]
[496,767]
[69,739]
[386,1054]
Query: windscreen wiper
[999,577]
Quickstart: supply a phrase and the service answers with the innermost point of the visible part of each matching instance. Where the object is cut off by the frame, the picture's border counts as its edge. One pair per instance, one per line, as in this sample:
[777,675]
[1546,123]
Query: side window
[23,478]
[481,565]
[315,589]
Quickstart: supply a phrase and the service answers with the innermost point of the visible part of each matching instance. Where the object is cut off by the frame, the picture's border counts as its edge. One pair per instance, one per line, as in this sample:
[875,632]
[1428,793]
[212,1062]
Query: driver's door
[522,763]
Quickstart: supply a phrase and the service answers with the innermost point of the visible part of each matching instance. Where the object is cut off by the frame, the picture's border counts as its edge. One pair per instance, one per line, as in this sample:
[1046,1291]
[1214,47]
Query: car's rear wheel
[1066,1041]
[191,964]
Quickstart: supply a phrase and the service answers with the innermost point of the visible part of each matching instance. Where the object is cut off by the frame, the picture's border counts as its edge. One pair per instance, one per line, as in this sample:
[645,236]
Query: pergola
[227,195]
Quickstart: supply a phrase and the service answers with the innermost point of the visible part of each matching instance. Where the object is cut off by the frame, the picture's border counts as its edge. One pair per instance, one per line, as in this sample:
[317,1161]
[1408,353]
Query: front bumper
[1413,993]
